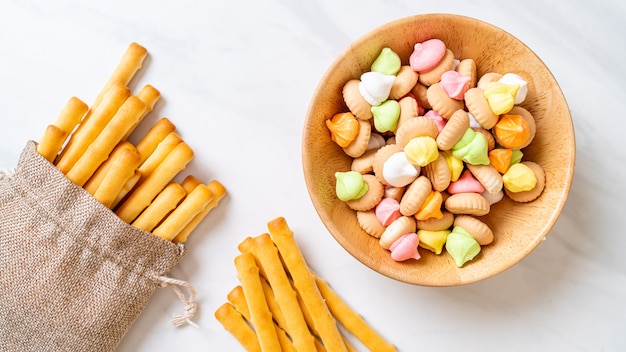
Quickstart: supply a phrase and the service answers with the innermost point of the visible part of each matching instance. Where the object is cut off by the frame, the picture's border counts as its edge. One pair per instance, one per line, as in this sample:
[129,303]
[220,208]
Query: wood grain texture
[518,228]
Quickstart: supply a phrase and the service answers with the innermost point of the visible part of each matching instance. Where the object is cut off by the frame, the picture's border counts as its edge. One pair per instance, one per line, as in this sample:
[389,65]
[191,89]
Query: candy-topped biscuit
[439,174]
[405,81]
[355,101]
[373,195]
[441,102]
[415,195]
[453,130]
[467,67]
[478,106]
[359,145]
[395,230]
[488,176]
[467,203]
[433,76]
[530,121]
[433,224]
[478,229]
[533,193]
[417,127]
[487,78]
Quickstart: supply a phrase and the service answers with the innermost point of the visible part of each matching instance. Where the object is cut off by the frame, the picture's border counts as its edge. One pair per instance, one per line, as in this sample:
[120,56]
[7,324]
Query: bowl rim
[332,229]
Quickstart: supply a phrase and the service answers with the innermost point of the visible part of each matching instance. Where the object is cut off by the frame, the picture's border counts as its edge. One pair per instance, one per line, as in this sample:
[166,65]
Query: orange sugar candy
[500,159]
[344,127]
[511,131]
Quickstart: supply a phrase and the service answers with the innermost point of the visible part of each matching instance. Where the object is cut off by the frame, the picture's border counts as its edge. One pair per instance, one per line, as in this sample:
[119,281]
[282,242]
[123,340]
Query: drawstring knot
[190,306]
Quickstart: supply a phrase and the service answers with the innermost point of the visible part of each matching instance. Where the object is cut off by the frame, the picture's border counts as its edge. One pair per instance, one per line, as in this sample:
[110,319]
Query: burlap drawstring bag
[73,276]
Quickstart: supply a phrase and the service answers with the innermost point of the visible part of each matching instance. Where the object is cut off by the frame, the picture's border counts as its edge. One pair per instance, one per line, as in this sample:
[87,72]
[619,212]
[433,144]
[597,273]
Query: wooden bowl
[518,227]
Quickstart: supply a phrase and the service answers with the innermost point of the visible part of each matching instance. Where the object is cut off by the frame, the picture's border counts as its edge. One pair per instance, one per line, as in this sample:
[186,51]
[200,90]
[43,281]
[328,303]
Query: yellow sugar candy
[501,96]
[519,178]
[421,150]
[455,164]
[433,240]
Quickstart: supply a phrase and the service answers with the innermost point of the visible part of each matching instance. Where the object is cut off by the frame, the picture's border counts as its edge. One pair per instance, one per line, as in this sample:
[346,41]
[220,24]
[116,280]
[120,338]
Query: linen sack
[73,276]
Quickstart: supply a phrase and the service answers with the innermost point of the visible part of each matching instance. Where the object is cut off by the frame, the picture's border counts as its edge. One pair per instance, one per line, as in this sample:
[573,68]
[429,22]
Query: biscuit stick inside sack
[90,145]
[302,305]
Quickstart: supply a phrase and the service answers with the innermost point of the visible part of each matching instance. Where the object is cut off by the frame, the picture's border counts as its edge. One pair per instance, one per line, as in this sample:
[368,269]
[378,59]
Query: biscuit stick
[149,96]
[144,193]
[351,320]
[269,262]
[51,142]
[160,153]
[128,186]
[304,283]
[189,183]
[96,179]
[234,323]
[162,205]
[88,130]
[153,137]
[122,168]
[192,205]
[99,150]
[260,315]
[129,64]
[237,298]
[219,192]
[71,115]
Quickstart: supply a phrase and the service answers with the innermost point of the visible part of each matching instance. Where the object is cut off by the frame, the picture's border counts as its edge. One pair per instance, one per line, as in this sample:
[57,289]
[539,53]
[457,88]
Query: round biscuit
[441,101]
[408,110]
[487,78]
[433,76]
[369,223]
[416,127]
[453,130]
[415,195]
[355,101]
[467,203]
[419,92]
[478,229]
[467,67]
[532,194]
[438,173]
[365,163]
[394,192]
[478,106]
[360,143]
[371,198]
[488,176]
[434,224]
[404,82]
[399,227]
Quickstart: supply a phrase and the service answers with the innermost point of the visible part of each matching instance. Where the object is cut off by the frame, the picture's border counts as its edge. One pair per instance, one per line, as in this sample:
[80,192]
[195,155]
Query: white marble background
[236,77]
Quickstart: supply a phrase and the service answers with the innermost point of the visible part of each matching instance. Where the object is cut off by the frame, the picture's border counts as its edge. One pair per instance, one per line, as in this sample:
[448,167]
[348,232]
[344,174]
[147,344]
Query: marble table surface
[237,76]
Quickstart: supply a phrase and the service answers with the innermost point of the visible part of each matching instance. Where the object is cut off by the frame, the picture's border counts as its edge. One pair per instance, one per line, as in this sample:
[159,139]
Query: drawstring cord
[190,306]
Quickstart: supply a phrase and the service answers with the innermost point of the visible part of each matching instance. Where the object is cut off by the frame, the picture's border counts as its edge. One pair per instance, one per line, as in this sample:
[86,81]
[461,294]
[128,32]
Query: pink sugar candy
[455,84]
[405,248]
[466,184]
[439,120]
[387,210]
[427,54]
